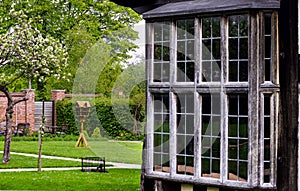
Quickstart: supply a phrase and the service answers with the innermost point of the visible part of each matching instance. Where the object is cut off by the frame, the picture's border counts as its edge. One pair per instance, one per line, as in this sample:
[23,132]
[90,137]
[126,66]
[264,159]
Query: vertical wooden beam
[147,184]
[253,97]
[288,118]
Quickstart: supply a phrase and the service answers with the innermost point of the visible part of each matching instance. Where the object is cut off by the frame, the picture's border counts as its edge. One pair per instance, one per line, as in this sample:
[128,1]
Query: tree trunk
[41,132]
[9,131]
[137,115]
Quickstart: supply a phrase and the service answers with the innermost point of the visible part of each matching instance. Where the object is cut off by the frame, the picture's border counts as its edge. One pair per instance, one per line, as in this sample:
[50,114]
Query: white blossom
[25,52]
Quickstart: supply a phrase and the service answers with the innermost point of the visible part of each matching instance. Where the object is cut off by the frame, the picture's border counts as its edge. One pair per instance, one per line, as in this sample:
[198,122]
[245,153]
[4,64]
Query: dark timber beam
[288,130]
[141,6]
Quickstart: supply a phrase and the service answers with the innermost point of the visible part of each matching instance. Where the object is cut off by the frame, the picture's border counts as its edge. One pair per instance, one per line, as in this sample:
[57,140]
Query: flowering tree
[25,53]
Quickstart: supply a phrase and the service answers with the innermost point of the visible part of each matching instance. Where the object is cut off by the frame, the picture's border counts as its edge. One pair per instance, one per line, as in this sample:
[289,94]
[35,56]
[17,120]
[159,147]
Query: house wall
[299,98]
[299,139]
[23,111]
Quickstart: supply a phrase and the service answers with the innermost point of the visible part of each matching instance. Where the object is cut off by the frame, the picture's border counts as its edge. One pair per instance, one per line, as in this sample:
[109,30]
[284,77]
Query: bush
[46,137]
[65,115]
[106,111]
[96,133]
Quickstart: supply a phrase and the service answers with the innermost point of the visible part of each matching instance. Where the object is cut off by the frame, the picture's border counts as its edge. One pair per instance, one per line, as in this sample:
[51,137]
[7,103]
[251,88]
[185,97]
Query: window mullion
[274,127]
[224,108]
[197,118]
[253,98]
[149,51]
[197,51]
[173,53]
[148,157]
[275,49]
[173,141]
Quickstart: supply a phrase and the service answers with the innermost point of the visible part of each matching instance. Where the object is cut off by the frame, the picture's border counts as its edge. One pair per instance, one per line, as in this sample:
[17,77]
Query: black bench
[93,164]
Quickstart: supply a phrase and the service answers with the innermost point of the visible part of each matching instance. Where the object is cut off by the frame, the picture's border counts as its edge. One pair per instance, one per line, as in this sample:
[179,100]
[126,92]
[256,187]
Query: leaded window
[212,99]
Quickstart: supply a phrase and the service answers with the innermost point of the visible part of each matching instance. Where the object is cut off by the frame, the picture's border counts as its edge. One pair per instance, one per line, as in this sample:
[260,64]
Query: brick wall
[23,111]
[57,95]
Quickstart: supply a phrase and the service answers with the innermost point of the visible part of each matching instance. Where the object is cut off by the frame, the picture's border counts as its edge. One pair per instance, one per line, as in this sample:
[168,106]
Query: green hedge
[102,115]
[65,115]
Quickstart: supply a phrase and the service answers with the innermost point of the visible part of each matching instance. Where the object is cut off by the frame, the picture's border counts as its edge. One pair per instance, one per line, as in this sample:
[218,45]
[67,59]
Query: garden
[113,151]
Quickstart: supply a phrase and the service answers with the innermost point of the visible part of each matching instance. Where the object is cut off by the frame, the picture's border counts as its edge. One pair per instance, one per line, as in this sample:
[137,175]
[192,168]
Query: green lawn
[31,162]
[114,180]
[126,152]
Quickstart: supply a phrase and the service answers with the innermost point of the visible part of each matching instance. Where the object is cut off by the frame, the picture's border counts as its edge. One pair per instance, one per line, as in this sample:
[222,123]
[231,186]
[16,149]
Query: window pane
[267,138]
[268,47]
[243,54]
[158,31]
[206,72]
[185,133]
[166,52]
[238,48]
[185,50]
[216,148]
[238,142]
[243,71]
[161,133]
[267,70]
[243,171]
[243,149]
[211,117]
[243,127]
[216,49]
[233,73]
[233,48]
[161,68]
[211,49]
[232,127]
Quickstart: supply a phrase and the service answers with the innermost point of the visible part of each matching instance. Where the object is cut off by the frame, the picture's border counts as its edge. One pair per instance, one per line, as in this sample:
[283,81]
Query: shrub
[102,118]
[65,115]
[96,133]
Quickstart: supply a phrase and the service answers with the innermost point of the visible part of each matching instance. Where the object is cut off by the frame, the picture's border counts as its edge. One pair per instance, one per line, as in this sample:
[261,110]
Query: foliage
[25,52]
[78,24]
[46,137]
[114,180]
[65,115]
[96,133]
[106,110]
[59,17]
[116,118]
[107,79]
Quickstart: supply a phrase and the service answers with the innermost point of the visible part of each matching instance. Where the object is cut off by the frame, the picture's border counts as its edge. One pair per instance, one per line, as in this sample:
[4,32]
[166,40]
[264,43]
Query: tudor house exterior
[220,94]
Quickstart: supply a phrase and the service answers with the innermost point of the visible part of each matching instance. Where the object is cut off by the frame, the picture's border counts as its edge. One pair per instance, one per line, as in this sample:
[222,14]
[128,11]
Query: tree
[26,53]
[65,19]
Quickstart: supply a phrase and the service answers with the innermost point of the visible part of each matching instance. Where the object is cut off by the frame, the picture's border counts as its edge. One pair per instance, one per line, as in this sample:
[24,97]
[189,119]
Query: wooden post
[81,142]
[288,128]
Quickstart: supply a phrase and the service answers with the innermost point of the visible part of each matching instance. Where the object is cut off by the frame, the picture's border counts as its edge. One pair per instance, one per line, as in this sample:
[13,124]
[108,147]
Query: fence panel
[45,108]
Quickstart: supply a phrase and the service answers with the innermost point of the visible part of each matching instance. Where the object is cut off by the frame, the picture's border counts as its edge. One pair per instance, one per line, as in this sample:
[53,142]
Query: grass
[125,152]
[114,180]
[31,162]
